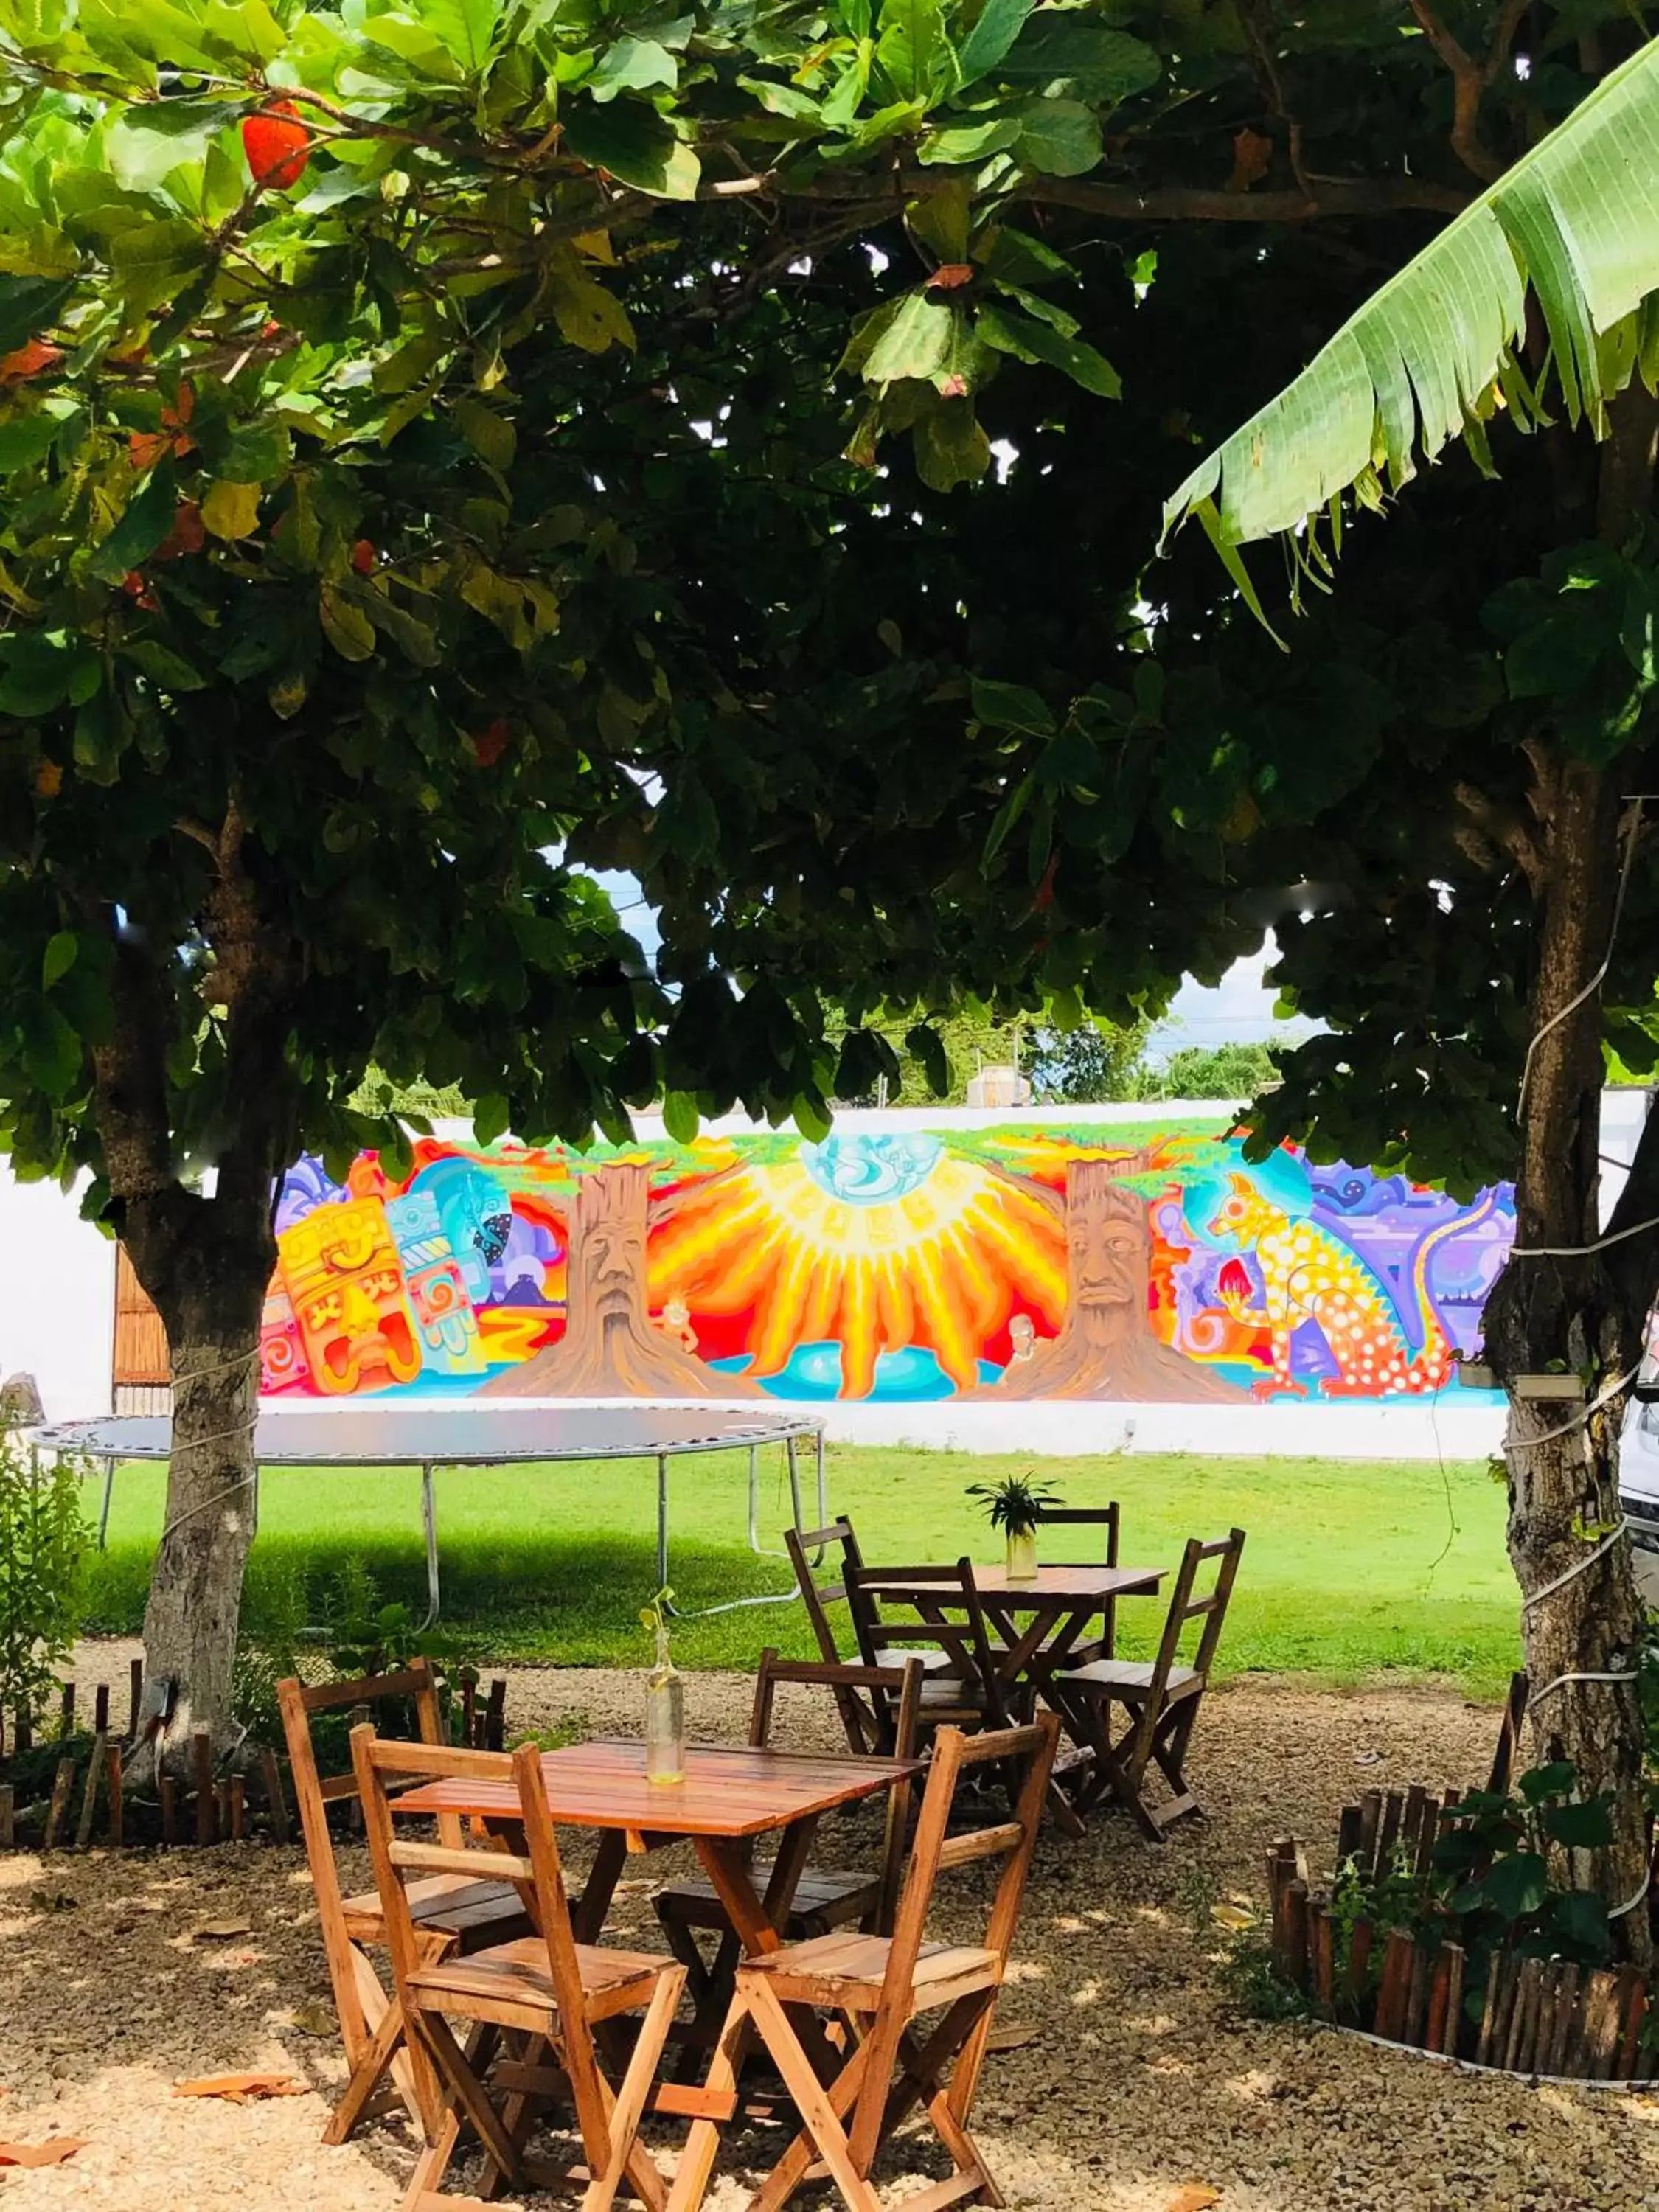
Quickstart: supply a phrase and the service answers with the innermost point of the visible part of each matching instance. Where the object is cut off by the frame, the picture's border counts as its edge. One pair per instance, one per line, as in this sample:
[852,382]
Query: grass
[1352,1569]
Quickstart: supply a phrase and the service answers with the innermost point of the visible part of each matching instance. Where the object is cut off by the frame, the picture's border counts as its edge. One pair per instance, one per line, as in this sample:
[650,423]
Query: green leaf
[912,49]
[145,521]
[144,144]
[58,957]
[346,627]
[1030,341]
[1513,1887]
[1063,50]
[680,1118]
[1579,1828]
[587,313]
[100,738]
[154,261]
[631,65]
[467,29]
[51,1048]
[1001,22]
[950,445]
[961,144]
[26,440]
[914,343]
[30,306]
[1570,219]
[491,435]
[170,670]
[492,1117]
[1011,706]
[636,144]
[231,510]
[1059,137]
[782,98]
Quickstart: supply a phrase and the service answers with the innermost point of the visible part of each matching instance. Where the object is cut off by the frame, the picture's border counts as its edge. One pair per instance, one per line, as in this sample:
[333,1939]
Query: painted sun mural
[1106,1260]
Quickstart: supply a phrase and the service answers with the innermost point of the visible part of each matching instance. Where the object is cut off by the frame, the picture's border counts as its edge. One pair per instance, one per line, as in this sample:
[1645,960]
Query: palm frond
[1433,355]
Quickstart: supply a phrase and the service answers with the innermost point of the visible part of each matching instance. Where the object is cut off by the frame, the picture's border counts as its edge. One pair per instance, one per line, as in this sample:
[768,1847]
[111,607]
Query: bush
[44,1547]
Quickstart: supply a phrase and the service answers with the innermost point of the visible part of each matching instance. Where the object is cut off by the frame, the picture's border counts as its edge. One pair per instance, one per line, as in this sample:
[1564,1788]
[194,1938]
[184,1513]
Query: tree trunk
[210,1287]
[1577,1311]
[1106,1347]
[609,1348]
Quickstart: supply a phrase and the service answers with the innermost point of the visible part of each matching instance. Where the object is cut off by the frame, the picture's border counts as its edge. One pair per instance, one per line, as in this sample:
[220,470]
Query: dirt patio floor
[1139,2082]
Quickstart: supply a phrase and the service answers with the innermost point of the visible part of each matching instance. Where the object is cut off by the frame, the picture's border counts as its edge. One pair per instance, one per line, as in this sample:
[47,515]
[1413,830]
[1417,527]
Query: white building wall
[56,1297]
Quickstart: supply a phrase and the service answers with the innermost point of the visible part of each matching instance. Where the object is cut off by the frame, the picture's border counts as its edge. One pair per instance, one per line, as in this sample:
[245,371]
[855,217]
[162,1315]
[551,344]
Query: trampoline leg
[794,1458]
[662,1527]
[823,1485]
[754,1498]
[103,1516]
[430,1522]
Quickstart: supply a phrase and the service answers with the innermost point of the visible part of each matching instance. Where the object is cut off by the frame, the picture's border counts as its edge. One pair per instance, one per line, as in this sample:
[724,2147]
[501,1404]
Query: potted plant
[1015,1505]
[665,1701]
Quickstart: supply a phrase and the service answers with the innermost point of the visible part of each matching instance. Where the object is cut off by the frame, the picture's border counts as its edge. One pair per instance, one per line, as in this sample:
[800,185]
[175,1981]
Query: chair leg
[702,2143]
[468,2091]
[432,2166]
[812,2100]
[627,2154]
[387,2038]
[791,2169]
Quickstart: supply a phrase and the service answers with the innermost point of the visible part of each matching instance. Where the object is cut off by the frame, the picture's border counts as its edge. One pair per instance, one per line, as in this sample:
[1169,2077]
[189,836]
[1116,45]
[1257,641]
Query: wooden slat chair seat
[964,1686]
[881,1987]
[532,2006]
[824,1897]
[452,1912]
[1161,1697]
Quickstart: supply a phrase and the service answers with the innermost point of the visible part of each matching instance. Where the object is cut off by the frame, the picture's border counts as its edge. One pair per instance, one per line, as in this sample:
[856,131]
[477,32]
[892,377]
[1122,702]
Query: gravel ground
[1137,2086]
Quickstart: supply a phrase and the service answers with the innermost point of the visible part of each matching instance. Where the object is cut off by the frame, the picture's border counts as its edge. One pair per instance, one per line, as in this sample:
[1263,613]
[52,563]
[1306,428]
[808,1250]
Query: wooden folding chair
[825,1896]
[1107,1517]
[1161,1697]
[964,1687]
[862,1740]
[532,2005]
[451,1911]
[881,1987]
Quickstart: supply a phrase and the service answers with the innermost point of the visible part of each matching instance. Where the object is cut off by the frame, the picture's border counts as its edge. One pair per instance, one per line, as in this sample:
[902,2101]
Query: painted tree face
[1110,1254]
[615,1257]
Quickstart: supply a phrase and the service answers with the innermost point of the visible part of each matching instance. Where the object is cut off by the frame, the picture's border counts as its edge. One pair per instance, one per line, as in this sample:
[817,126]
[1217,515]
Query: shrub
[44,1547]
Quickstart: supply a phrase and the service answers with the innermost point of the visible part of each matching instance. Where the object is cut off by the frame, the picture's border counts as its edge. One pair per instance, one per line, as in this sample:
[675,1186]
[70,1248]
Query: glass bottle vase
[1022,1555]
[665,1720]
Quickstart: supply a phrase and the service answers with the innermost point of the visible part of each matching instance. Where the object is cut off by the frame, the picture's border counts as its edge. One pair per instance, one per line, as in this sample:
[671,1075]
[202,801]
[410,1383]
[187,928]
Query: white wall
[56,1297]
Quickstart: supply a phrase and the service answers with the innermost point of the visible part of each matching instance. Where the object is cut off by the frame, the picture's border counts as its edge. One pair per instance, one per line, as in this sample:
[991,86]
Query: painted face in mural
[346,1281]
[1109,1250]
[616,1263]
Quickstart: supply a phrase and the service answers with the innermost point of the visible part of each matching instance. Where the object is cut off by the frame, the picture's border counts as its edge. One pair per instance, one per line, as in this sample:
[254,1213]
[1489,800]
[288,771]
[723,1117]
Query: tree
[1518,933]
[1093,1064]
[1223,1071]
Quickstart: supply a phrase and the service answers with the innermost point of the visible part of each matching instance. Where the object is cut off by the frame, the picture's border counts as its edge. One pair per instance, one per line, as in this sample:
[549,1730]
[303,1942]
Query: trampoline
[430,1436]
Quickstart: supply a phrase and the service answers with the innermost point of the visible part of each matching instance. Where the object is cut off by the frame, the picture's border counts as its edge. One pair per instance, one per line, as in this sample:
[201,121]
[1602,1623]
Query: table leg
[587,1921]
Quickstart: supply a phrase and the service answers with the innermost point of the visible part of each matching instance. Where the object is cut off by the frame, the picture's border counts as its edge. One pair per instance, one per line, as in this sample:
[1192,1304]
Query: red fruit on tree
[277,145]
[28,361]
[364,557]
[488,745]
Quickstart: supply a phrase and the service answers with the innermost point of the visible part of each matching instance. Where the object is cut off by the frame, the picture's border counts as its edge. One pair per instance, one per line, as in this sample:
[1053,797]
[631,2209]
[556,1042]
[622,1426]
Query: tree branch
[1471,80]
[1505,830]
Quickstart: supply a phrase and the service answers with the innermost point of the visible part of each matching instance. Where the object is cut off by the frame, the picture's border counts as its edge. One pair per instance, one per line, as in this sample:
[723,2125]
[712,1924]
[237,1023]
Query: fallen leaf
[53,1900]
[52,2153]
[240,2088]
[1236,1917]
[1194,2197]
[315,2019]
[1367,1758]
[1014,2035]
[220,1931]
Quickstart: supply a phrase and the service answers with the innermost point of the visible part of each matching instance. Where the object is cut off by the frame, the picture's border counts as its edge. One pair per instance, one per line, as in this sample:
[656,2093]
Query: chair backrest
[313,1792]
[1185,1606]
[893,1715]
[1084,1517]
[943,1592]
[815,1595]
[384,1768]
[935,1852]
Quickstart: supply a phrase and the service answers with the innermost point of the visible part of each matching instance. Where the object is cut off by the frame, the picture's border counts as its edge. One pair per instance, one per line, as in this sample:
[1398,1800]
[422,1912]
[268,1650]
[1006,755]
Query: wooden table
[1056,1605]
[728,1795]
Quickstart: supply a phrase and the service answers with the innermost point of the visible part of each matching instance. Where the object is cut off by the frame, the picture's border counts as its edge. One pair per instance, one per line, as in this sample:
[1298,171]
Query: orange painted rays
[941,1262]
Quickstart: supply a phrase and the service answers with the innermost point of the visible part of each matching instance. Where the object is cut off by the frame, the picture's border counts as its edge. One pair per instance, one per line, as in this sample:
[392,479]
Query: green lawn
[1350,1568]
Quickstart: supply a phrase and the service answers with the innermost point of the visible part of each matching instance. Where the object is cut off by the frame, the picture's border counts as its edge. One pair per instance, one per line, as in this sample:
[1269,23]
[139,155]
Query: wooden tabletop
[727,1791]
[1074,1584]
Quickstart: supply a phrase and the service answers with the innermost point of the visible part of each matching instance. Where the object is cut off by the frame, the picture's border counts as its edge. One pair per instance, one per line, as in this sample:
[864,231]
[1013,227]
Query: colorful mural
[1104,1260]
